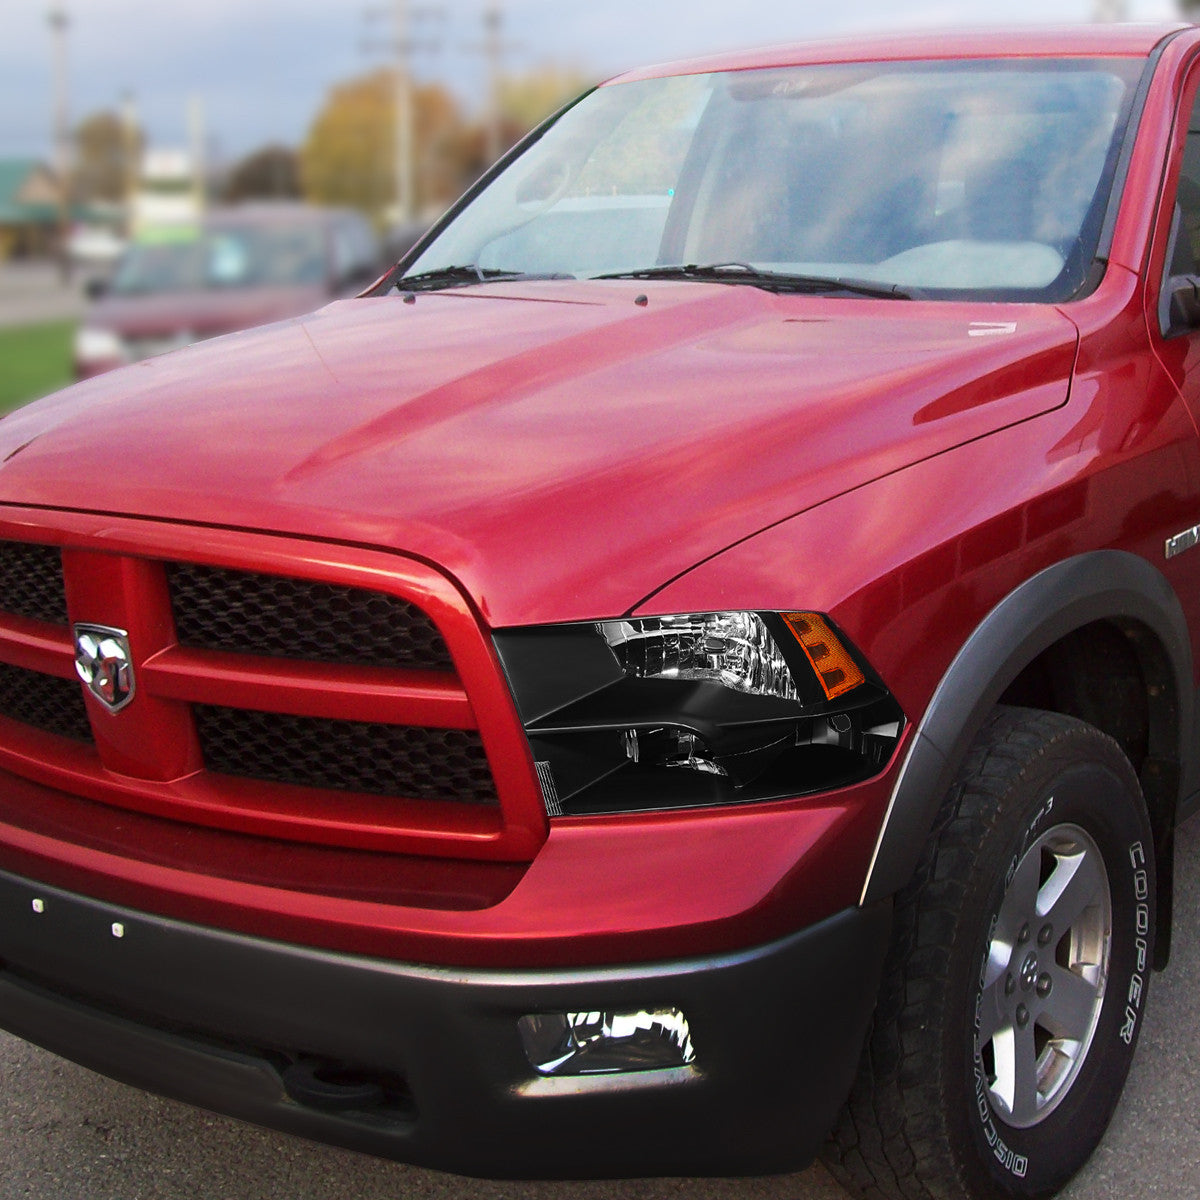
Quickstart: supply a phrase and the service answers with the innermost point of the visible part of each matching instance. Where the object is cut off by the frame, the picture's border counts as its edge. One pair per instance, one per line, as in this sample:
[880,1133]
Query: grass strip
[34,360]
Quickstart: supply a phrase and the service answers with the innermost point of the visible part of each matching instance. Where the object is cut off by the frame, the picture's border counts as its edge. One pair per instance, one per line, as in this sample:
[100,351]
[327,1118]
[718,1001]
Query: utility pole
[59,21]
[405,117]
[402,46]
[493,48]
[131,139]
[196,135]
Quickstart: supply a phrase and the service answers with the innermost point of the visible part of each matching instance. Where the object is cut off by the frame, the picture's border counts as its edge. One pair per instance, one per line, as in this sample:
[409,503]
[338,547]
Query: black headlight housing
[698,709]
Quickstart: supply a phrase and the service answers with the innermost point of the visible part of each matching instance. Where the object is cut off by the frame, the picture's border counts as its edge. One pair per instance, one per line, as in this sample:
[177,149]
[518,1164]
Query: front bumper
[215,1018]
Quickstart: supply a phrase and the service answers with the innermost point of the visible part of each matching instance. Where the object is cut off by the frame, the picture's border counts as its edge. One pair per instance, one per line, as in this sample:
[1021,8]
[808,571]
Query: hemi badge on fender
[1183,541]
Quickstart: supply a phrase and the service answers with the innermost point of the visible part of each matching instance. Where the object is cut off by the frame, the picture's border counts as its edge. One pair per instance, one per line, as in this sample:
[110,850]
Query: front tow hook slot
[335,1087]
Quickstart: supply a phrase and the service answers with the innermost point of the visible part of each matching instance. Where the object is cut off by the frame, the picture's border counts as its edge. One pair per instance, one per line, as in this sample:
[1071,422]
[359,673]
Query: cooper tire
[1015,985]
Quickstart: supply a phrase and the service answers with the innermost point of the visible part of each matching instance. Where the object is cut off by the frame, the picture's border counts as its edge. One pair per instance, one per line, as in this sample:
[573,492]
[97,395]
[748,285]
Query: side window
[1179,305]
[1186,254]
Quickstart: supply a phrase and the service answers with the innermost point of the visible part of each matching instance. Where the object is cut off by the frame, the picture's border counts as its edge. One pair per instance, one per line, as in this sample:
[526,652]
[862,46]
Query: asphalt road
[66,1134]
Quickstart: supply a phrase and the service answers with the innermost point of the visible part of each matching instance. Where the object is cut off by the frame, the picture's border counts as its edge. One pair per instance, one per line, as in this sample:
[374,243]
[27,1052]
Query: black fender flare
[1100,585]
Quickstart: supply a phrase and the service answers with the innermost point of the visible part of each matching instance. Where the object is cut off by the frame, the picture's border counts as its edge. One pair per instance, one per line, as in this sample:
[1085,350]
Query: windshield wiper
[774,281]
[461,276]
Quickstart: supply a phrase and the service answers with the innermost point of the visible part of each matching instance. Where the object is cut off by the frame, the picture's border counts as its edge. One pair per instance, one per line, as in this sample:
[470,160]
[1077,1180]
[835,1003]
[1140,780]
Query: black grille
[44,701]
[356,756]
[31,582]
[245,613]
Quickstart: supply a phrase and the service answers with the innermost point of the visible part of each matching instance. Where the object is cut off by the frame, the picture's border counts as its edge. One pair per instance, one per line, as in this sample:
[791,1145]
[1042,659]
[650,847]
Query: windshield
[983,178]
[185,258]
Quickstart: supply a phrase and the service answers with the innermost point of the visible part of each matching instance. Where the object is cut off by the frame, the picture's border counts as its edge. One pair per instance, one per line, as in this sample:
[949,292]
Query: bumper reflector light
[602,1043]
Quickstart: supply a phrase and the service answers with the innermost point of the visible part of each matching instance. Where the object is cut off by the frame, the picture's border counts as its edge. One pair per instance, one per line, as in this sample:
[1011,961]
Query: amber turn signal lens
[837,672]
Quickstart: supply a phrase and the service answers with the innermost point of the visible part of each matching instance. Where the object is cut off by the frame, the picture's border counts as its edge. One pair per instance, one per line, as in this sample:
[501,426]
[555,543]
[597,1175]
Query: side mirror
[1182,307]
[95,288]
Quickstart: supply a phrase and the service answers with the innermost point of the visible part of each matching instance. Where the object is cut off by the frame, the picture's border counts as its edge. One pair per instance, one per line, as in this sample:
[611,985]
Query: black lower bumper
[215,1019]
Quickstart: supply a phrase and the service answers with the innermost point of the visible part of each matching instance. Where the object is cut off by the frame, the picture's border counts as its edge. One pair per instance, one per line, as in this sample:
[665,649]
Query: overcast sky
[262,67]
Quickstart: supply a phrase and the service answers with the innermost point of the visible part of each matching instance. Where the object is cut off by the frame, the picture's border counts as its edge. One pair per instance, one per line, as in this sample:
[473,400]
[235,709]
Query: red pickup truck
[696,665]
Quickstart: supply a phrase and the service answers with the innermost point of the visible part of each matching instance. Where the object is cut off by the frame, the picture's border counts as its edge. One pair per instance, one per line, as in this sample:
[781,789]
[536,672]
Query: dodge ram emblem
[104,662]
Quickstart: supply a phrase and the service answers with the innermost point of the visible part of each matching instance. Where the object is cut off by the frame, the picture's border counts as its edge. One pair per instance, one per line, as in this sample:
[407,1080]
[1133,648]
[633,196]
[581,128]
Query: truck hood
[562,449]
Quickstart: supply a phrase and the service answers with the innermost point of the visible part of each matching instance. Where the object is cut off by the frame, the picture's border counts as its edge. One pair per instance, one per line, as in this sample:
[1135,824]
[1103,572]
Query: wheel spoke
[992,1014]
[1004,1054]
[1025,1091]
[999,957]
[1016,911]
[1070,1008]
[1016,1084]
[1019,905]
[1075,884]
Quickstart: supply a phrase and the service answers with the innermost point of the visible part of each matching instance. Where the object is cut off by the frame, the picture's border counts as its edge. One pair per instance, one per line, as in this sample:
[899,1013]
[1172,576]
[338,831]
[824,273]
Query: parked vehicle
[706,645]
[94,247]
[183,282]
[399,239]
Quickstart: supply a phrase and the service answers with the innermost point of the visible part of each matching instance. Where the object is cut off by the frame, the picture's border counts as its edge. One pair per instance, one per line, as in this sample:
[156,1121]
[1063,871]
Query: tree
[527,100]
[524,101]
[272,173]
[108,154]
[349,155]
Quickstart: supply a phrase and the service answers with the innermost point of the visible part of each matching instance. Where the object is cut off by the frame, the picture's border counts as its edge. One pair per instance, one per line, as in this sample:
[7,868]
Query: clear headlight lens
[98,345]
[732,649]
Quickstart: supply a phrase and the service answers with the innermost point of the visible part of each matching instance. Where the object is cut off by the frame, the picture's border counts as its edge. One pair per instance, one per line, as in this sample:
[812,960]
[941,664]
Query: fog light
[599,1043]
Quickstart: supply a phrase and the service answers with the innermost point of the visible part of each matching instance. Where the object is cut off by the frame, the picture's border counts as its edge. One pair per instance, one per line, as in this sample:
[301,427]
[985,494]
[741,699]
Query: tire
[1016,981]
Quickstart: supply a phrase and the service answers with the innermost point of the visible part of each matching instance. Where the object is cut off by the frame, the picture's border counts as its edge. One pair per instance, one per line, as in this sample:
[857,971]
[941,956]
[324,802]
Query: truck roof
[1090,41]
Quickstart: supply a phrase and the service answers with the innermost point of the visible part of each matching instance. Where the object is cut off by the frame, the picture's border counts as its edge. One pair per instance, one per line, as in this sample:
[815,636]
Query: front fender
[1101,585]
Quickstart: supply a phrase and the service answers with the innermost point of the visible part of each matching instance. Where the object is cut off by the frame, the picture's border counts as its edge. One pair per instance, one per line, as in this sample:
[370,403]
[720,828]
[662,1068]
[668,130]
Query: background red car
[178,284]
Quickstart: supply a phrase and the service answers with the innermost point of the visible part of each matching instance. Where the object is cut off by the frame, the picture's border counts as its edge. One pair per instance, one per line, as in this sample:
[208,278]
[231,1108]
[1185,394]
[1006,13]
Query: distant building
[168,191]
[29,208]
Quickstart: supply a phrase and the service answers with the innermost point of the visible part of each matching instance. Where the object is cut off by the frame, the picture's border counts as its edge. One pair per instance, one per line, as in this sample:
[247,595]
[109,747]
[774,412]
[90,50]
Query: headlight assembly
[696,709]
